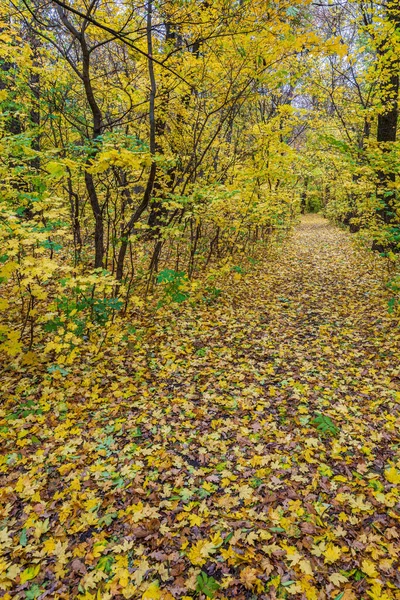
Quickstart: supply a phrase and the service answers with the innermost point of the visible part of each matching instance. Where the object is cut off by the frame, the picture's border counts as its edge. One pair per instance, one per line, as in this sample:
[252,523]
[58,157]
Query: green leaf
[169,275]
[228,537]
[23,540]
[201,352]
[325,425]
[105,564]
[33,592]
[207,585]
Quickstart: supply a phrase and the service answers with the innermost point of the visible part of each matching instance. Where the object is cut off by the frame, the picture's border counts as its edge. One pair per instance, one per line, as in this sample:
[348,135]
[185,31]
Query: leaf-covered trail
[246,449]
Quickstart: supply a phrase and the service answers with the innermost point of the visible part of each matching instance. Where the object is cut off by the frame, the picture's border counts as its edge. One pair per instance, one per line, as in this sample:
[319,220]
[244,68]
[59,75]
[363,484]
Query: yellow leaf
[245,492]
[98,548]
[251,538]
[305,567]
[332,553]
[199,553]
[153,592]
[368,567]
[64,469]
[12,346]
[196,555]
[208,486]
[29,358]
[41,527]
[385,564]
[216,540]
[392,475]
[29,573]
[293,555]
[8,269]
[75,484]
[377,593]
[195,520]
[122,576]
[49,546]
[13,572]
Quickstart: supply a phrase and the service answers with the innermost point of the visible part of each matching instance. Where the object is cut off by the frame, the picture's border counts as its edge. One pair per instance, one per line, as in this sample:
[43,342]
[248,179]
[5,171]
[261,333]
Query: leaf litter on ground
[249,448]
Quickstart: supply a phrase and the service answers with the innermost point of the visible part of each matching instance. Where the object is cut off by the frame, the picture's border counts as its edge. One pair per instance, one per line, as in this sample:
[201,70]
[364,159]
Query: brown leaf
[78,567]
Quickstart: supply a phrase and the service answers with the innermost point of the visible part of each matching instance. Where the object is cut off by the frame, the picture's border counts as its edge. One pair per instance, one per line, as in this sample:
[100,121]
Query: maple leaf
[249,577]
[332,553]
[337,579]
[293,555]
[252,538]
[305,567]
[199,553]
[245,492]
[153,592]
[140,572]
[29,573]
[195,520]
[392,475]
[377,593]
[368,567]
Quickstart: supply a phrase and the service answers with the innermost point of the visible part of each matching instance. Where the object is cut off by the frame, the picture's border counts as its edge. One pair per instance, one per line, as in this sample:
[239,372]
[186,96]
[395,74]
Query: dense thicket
[143,144]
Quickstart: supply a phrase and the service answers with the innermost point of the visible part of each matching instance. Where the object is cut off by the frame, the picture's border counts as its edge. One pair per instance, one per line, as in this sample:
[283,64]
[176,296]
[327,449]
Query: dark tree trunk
[387,133]
[97,124]
[303,197]
[387,123]
[98,216]
[97,131]
[34,85]
[13,124]
[127,230]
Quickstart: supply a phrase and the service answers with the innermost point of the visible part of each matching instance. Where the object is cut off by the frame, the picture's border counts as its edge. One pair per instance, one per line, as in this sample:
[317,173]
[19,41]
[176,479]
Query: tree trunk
[127,230]
[303,198]
[387,121]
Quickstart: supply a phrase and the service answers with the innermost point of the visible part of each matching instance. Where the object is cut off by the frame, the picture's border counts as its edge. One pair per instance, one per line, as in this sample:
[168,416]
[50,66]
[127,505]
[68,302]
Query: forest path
[248,448]
[324,307]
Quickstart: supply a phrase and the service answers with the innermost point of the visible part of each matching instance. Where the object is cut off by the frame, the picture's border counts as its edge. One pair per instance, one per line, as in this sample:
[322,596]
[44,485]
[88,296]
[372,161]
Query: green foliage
[325,425]
[33,592]
[174,286]
[314,204]
[201,352]
[238,269]
[81,306]
[25,409]
[211,294]
[394,286]
[57,369]
[207,585]
[50,245]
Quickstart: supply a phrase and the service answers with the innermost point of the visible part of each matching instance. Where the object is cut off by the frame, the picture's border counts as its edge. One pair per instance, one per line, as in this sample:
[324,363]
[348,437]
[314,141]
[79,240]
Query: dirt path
[246,449]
